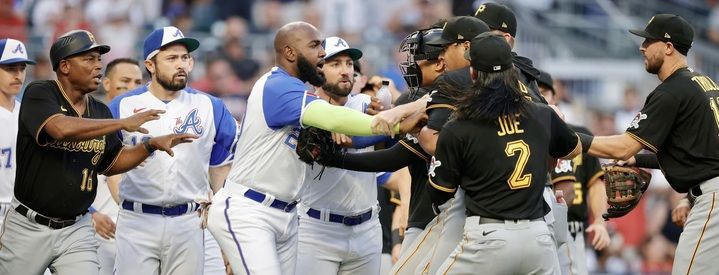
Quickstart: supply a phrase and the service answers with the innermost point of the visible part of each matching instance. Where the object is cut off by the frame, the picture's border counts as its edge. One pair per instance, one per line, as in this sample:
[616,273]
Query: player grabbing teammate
[13,61]
[497,124]
[65,138]
[159,231]
[121,75]
[254,217]
[679,123]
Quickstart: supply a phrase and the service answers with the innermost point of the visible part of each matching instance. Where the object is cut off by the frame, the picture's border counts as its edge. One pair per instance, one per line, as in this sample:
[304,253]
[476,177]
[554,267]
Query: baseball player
[13,61]
[505,206]
[121,75]
[65,138]
[679,123]
[254,217]
[420,71]
[339,231]
[158,230]
[585,173]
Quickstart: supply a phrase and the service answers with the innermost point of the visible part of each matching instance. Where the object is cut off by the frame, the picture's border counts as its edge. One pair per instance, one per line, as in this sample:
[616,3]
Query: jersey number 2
[518,180]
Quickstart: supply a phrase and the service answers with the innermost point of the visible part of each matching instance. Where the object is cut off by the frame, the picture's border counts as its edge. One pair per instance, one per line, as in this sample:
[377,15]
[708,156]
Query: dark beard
[657,66]
[309,72]
[171,85]
[336,90]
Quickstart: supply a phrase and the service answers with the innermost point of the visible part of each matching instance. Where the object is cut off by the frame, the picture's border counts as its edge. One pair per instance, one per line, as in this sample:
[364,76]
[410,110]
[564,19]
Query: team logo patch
[191,122]
[480,9]
[563,166]
[636,120]
[434,164]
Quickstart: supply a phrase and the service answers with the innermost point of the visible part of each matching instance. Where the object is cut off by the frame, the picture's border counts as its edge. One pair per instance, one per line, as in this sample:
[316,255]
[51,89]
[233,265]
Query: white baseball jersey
[104,203]
[342,190]
[166,180]
[268,136]
[8,142]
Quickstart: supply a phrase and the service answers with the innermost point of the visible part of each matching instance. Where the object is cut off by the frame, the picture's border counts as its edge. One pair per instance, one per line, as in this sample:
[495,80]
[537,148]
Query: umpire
[66,137]
[679,123]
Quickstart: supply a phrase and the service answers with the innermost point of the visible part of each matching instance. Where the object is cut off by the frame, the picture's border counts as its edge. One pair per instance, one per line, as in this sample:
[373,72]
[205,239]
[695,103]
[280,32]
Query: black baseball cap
[497,17]
[669,28]
[489,52]
[459,29]
[545,79]
[72,43]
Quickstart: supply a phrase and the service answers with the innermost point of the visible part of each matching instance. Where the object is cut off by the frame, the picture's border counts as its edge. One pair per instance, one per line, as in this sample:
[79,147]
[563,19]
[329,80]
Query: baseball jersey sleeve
[439,109]
[444,171]
[563,140]
[649,126]
[593,169]
[562,172]
[283,102]
[226,135]
[39,105]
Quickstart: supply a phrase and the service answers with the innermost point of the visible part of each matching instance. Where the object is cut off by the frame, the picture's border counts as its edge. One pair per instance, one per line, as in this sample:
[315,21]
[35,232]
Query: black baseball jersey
[679,123]
[441,102]
[387,202]
[420,204]
[59,178]
[502,164]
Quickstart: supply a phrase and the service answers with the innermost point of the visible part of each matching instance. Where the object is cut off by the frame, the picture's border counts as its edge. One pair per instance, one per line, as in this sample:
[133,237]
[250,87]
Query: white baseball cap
[163,36]
[13,51]
[334,45]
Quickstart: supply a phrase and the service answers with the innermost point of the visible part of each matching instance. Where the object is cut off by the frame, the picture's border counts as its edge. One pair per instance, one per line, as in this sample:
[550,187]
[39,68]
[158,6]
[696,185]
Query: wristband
[586,141]
[91,210]
[148,147]
[396,238]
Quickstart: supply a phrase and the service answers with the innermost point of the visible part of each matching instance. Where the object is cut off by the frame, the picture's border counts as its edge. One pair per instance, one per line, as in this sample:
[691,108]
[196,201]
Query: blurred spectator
[71,18]
[345,18]
[244,67]
[119,34]
[657,255]
[13,24]
[42,70]
[267,16]
[713,25]
[229,8]
[631,105]
[203,13]
[601,123]
[219,79]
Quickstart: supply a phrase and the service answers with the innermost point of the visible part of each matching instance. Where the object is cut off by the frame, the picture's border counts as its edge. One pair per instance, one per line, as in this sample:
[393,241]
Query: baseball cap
[164,36]
[72,43]
[668,28]
[459,29]
[497,17]
[13,51]
[334,45]
[489,52]
[545,79]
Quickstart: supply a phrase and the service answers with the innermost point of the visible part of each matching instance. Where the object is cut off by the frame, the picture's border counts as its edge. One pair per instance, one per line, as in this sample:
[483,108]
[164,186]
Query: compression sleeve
[391,159]
[338,119]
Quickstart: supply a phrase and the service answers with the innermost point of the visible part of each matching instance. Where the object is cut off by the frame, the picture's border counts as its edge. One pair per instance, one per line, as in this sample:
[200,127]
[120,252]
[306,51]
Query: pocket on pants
[545,239]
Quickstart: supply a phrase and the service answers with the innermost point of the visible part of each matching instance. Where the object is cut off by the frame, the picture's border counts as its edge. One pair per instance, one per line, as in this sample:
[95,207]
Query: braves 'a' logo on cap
[178,33]
[341,42]
[19,49]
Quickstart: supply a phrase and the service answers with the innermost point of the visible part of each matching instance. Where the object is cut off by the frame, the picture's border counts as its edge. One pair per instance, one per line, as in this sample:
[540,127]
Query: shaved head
[299,51]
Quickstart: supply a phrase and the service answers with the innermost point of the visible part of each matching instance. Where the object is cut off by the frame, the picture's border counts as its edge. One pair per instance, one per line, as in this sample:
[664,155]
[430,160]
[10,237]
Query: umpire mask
[416,48]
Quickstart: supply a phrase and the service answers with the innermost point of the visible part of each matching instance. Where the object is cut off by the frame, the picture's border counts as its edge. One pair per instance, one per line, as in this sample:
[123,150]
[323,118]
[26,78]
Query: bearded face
[309,72]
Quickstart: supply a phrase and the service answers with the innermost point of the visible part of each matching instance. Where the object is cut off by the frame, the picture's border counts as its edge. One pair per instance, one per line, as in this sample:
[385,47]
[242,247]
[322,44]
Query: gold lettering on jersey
[96,146]
[509,125]
[706,83]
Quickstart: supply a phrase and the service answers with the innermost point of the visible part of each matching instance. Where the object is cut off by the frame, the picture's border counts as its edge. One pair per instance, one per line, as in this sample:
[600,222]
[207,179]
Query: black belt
[172,211]
[54,223]
[346,220]
[483,220]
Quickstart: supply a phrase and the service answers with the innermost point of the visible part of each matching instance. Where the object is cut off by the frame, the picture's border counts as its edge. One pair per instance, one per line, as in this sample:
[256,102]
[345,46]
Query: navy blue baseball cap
[13,51]
[164,36]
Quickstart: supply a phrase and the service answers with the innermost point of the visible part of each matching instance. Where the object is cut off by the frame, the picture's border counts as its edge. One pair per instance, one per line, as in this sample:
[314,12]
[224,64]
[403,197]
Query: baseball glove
[625,186]
[316,145]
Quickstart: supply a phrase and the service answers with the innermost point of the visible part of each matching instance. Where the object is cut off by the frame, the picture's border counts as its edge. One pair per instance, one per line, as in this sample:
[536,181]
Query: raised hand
[166,142]
[133,123]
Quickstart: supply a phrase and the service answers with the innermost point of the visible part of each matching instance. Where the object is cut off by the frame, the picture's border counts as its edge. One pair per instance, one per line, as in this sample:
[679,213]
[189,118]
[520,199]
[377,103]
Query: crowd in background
[236,48]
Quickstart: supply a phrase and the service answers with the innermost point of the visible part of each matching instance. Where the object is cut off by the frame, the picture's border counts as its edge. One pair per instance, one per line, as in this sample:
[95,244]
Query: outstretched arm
[130,157]
[620,147]
[68,128]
